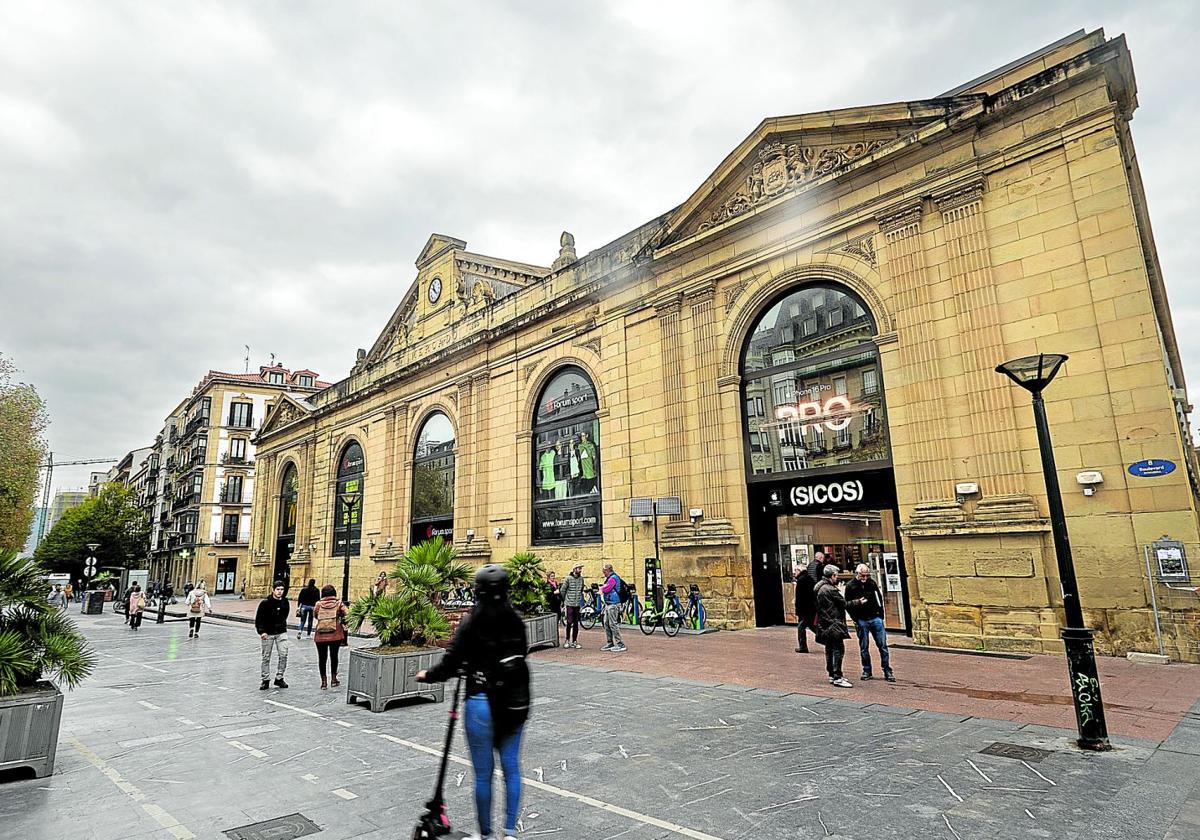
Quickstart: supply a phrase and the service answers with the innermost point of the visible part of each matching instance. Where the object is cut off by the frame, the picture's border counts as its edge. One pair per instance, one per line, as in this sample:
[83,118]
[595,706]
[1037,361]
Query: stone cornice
[959,195]
[901,215]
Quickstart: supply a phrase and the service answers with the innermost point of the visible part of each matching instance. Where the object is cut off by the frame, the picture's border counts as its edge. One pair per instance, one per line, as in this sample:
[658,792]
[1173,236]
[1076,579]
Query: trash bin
[93,602]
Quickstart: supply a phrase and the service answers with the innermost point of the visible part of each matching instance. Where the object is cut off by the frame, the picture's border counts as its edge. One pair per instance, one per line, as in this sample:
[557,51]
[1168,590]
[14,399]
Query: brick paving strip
[1140,701]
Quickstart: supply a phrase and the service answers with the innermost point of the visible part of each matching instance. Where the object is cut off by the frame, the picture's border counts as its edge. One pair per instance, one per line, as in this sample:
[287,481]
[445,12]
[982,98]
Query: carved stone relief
[781,168]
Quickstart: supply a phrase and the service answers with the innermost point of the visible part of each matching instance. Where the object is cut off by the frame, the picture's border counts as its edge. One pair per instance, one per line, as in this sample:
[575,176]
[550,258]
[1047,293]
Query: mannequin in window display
[586,451]
[562,469]
[546,468]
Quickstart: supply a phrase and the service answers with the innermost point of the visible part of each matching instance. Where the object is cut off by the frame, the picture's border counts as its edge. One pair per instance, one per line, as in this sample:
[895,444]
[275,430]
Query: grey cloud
[182,179]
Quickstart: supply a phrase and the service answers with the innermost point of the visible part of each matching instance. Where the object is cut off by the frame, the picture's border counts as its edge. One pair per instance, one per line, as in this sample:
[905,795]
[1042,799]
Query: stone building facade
[803,352]
[198,481]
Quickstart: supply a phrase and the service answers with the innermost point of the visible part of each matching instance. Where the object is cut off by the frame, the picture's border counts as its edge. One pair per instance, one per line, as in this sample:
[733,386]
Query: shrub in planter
[527,590]
[37,643]
[407,621]
[526,583]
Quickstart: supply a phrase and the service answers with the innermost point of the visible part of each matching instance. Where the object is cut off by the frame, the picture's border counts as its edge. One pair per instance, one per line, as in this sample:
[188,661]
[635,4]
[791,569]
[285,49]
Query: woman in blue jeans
[489,649]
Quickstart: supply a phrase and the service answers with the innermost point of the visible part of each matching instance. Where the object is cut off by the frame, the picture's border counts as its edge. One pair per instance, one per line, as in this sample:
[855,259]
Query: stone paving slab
[605,756]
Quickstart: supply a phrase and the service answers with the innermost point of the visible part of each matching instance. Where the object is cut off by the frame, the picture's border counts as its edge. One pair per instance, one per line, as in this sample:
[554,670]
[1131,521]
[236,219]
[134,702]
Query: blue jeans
[306,617]
[480,740]
[872,627]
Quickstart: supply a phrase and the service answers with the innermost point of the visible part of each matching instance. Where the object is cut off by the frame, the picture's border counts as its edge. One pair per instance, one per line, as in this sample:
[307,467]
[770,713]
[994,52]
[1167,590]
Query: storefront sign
[806,495]
[1151,468]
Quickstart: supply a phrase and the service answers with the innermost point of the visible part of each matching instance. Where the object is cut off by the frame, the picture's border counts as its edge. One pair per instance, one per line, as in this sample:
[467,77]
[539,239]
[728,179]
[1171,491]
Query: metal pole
[1077,638]
[1154,601]
[45,501]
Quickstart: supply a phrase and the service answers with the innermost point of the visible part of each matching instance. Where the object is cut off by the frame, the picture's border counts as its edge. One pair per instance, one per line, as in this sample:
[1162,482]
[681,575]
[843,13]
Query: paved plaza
[171,738]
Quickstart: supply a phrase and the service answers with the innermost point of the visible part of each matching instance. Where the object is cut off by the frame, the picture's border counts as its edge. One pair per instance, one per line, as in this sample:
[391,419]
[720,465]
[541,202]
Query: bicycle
[591,610]
[670,618]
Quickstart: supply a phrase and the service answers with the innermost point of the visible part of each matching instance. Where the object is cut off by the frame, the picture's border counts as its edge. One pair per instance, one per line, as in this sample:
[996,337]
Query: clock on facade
[435,289]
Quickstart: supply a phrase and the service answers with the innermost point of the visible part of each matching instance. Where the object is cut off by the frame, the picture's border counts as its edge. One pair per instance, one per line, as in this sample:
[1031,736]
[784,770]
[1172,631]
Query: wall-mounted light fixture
[499,531]
[470,534]
[1088,479]
[963,490]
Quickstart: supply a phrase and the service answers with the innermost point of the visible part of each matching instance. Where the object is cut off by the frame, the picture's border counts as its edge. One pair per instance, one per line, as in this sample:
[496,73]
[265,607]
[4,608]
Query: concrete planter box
[542,631]
[29,729]
[380,678]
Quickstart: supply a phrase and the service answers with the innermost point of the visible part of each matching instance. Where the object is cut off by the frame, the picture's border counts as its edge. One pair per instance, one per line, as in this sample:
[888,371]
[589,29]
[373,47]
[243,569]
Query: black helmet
[491,583]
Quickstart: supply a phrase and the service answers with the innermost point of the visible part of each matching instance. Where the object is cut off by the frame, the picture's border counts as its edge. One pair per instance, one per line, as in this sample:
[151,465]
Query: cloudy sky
[182,179]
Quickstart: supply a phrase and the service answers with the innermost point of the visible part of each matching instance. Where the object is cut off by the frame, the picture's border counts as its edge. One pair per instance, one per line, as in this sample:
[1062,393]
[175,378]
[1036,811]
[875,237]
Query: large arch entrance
[817,452]
[285,540]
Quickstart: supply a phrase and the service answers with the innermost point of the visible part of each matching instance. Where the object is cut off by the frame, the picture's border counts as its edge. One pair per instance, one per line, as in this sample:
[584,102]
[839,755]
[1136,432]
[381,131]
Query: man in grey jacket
[571,591]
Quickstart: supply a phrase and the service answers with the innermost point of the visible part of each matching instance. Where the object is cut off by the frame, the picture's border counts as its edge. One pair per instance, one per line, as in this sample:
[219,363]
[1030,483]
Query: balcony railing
[241,423]
[195,423]
[237,460]
[189,500]
[231,498]
[230,538]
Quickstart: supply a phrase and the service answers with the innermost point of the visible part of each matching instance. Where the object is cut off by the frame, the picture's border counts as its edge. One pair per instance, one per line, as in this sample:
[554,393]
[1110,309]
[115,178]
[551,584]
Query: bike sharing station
[663,605]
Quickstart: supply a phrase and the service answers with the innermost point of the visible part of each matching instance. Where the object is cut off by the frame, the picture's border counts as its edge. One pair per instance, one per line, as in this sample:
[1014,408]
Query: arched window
[285,539]
[812,396]
[348,501]
[566,460]
[433,480]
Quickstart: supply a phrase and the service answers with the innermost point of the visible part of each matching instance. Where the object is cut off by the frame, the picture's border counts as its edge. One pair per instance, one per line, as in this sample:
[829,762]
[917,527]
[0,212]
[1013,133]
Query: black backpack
[508,694]
[623,591]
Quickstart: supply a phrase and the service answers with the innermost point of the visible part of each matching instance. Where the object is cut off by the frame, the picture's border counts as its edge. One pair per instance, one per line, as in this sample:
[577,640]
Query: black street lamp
[1034,373]
[349,503]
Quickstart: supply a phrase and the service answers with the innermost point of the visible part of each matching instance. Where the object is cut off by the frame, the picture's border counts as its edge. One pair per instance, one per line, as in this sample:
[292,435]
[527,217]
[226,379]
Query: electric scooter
[435,822]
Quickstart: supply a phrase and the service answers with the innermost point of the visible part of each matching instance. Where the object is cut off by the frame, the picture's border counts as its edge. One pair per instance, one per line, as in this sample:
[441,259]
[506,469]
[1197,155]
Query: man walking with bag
[270,621]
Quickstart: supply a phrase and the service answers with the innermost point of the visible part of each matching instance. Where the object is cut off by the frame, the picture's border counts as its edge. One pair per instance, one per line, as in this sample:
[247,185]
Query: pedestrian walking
[242,591]
[489,647]
[56,598]
[270,620]
[68,594]
[306,600]
[125,601]
[196,604]
[571,597]
[615,594]
[831,626]
[137,605]
[381,584]
[864,602]
[331,632]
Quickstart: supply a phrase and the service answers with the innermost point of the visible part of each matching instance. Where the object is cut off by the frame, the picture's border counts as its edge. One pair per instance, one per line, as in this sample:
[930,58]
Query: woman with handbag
[489,647]
[196,604]
[831,625]
[330,614]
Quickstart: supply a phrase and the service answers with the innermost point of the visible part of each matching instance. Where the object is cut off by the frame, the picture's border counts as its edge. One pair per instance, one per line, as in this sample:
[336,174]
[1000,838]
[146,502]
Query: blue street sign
[1151,468]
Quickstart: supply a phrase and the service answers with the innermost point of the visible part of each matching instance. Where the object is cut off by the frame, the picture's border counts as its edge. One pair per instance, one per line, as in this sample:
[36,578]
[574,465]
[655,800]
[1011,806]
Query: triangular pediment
[788,155]
[437,245]
[286,410]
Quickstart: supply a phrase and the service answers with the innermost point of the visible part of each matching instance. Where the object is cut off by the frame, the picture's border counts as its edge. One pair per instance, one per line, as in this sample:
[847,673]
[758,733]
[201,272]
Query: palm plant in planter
[527,593]
[37,642]
[407,620]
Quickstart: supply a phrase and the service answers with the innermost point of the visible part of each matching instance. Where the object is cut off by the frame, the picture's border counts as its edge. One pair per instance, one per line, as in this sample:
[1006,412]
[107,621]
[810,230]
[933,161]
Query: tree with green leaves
[23,422]
[112,519]
[37,640]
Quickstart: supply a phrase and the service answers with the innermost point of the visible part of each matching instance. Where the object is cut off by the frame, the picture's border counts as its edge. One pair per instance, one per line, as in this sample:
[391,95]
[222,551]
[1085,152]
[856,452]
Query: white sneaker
[842,682]
[619,649]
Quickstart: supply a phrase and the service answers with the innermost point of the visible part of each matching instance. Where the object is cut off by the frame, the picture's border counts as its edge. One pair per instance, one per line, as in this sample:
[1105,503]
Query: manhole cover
[280,828]
[1017,751]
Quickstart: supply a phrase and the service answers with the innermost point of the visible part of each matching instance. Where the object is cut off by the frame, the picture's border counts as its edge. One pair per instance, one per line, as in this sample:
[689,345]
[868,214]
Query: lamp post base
[1085,689]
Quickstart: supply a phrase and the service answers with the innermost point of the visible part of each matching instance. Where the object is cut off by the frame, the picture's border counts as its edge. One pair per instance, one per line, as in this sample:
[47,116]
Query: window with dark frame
[433,480]
[241,414]
[229,527]
[825,404]
[566,461]
[348,500]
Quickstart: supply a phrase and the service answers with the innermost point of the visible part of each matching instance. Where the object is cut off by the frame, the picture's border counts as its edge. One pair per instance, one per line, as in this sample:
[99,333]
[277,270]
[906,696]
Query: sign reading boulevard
[1151,468]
